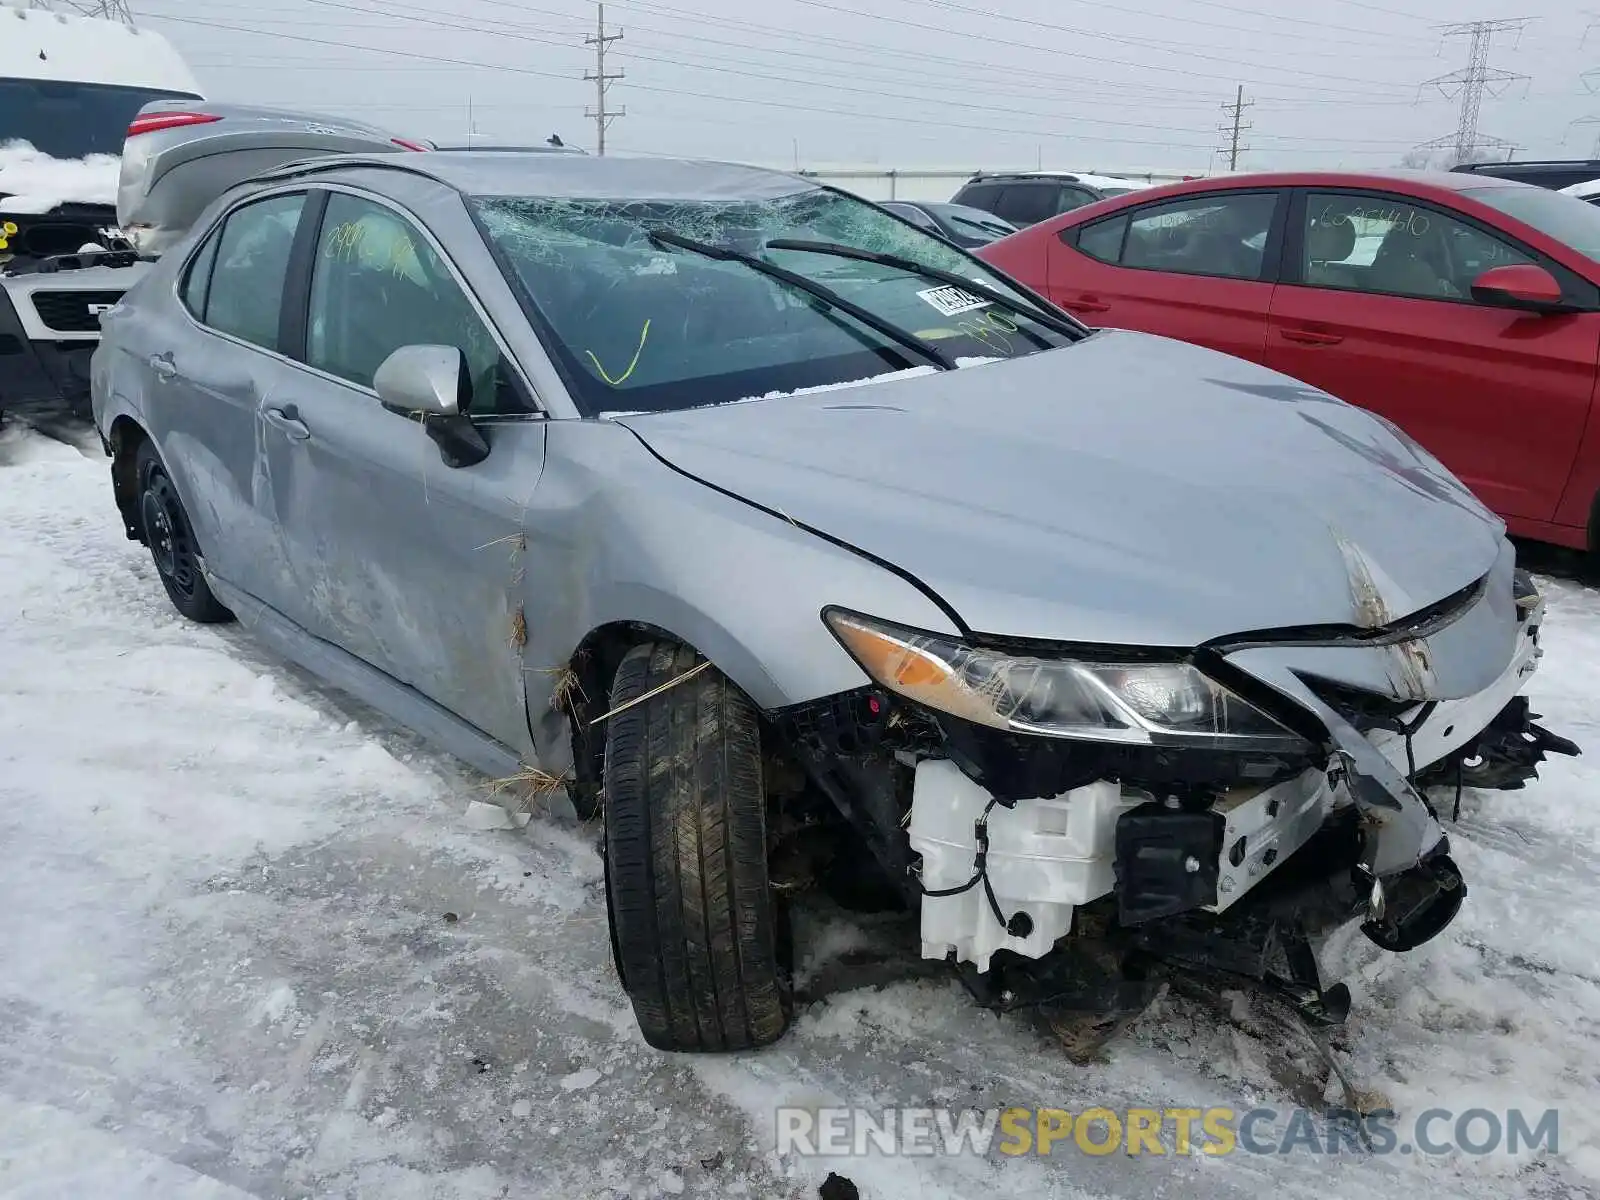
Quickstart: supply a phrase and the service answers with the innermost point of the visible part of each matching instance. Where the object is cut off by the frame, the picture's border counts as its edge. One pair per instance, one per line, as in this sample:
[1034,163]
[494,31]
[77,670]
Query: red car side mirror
[1519,285]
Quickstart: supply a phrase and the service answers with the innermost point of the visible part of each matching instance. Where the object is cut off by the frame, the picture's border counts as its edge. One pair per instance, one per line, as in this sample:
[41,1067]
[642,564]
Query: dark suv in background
[1026,198]
[1545,173]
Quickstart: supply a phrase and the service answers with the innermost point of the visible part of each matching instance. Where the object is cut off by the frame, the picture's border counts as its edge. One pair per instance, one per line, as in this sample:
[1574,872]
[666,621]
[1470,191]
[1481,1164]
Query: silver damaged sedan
[810,552]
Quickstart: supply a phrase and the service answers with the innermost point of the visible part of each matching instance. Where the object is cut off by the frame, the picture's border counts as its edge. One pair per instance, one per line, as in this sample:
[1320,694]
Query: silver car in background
[808,549]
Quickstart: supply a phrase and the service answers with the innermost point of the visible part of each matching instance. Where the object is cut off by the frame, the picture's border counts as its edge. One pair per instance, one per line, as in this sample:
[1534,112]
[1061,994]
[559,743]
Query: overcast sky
[958,83]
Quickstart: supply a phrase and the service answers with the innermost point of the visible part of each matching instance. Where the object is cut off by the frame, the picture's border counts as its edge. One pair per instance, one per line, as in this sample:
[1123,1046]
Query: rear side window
[252,259]
[1028,203]
[1074,197]
[979,195]
[1103,239]
[198,281]
[1218,234]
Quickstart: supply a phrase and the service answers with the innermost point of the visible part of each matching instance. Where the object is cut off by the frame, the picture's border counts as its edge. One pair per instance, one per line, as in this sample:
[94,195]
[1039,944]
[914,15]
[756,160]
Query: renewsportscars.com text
[841,1132]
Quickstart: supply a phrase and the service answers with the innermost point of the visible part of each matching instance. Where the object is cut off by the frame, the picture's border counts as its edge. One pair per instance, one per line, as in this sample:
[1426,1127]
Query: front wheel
[695,924]
[167,532]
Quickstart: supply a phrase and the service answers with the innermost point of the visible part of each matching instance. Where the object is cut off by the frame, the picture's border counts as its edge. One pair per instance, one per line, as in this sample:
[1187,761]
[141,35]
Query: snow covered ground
[249,947]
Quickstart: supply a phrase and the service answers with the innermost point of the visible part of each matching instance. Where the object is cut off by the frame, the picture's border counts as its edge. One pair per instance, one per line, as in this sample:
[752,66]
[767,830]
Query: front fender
[614,535]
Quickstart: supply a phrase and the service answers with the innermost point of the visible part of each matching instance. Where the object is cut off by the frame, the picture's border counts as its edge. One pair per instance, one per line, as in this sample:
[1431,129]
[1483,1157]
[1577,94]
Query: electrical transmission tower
[1595,151]
[1234,126]
[600,114]
[111,10]
[1470,83]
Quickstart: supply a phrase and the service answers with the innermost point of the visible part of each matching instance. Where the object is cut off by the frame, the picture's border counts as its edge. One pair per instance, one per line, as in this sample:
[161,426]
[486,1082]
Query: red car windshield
[1565,218]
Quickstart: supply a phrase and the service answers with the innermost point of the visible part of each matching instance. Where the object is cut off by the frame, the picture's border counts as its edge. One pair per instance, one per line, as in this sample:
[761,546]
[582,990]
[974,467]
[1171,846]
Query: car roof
[1441,180]
[1074,176]
[1421,183]
[576,176]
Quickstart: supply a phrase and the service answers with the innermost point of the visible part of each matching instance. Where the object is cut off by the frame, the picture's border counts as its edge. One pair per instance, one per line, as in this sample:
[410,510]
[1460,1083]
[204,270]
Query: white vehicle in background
[98,174]
[69,88]
[1589,191]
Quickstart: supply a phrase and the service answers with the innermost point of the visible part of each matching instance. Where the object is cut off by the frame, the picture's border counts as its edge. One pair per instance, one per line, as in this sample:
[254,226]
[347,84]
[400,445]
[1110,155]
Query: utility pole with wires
[1470,83]
[600,114]
[1235,126]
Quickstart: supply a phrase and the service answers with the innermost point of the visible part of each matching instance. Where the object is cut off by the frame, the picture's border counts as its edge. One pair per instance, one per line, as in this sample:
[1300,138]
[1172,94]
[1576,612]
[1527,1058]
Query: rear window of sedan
[1565,218]
[635,326]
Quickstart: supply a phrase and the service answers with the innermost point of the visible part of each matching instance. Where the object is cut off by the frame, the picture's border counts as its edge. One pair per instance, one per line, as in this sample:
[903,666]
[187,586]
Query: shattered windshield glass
[640,327]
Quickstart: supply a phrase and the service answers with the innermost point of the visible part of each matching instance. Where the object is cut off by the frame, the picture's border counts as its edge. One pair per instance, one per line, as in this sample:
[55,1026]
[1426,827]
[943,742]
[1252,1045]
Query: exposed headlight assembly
[1139,703]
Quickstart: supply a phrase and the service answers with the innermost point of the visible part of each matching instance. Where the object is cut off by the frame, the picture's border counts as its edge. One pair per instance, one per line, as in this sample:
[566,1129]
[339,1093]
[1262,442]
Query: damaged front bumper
[1016,876]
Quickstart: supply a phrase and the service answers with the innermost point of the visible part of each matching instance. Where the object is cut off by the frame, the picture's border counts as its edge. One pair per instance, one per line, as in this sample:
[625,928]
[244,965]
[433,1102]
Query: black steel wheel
[170,538]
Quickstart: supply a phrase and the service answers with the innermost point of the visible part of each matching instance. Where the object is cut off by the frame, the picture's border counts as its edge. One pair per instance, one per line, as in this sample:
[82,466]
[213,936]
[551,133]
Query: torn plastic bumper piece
[1413,906]
[1504,756]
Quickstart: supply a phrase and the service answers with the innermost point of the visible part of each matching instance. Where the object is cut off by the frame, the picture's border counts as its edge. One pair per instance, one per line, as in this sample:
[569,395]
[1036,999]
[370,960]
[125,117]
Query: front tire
[695,925]
[168,534]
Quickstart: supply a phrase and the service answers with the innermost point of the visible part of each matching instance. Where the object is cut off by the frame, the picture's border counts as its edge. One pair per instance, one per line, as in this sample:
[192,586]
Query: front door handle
[1310,337]
[1086,304]
[163,366]
[288,419]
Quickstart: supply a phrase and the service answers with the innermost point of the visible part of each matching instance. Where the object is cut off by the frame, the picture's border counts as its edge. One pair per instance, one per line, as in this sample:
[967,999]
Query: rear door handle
[1086,304]
[1310,337]
[163,366]
[288,419]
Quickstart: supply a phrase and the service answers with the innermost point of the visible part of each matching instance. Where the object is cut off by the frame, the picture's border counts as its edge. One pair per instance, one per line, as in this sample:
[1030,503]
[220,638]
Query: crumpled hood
[1129,490]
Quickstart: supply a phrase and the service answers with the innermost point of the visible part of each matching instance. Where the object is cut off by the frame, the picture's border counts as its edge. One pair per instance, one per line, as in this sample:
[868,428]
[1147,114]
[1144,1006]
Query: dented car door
[409,564]
[210,371]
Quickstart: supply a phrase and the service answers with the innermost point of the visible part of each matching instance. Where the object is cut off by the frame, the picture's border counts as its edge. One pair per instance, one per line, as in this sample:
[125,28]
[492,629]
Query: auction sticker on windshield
[952,301]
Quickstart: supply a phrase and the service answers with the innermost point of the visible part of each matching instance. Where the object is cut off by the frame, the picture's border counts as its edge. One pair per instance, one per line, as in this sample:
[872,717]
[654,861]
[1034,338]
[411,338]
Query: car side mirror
[428,384]
[1520,285]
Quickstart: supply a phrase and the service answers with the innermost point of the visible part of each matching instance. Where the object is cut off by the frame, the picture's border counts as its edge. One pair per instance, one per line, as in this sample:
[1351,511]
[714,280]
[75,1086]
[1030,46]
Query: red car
[1464,308]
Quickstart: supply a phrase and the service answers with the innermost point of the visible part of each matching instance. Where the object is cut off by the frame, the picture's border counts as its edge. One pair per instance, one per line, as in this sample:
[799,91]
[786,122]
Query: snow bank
[34,182]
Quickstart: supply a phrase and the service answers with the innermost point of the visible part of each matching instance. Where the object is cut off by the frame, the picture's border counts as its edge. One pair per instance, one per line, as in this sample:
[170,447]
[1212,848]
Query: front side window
[637,325]
[378,285]
[252,259]
[1371,242]
[1221,234]
[1567,219]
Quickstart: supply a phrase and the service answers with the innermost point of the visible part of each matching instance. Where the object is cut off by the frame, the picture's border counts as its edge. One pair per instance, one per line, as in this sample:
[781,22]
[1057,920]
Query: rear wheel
[167,532]
[696,928]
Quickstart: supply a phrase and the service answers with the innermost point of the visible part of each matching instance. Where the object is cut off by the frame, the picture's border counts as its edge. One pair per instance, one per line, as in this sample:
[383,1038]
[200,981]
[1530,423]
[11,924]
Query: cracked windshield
[637,324]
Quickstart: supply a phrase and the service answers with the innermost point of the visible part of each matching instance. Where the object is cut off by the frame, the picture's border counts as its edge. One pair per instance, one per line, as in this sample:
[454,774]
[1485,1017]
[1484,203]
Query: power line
[1264,28]
[1053,134]
[428,16]
[1470,82]
[602,116]
[1236,126]
[1188,53]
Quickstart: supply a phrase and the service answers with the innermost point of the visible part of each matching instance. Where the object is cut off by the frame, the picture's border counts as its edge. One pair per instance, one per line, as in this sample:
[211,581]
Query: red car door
[1380,313]
[1198,269]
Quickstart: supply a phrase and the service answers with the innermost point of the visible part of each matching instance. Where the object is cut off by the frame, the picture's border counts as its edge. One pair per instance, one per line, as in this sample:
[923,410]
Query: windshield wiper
[818,291]
[1062,325]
